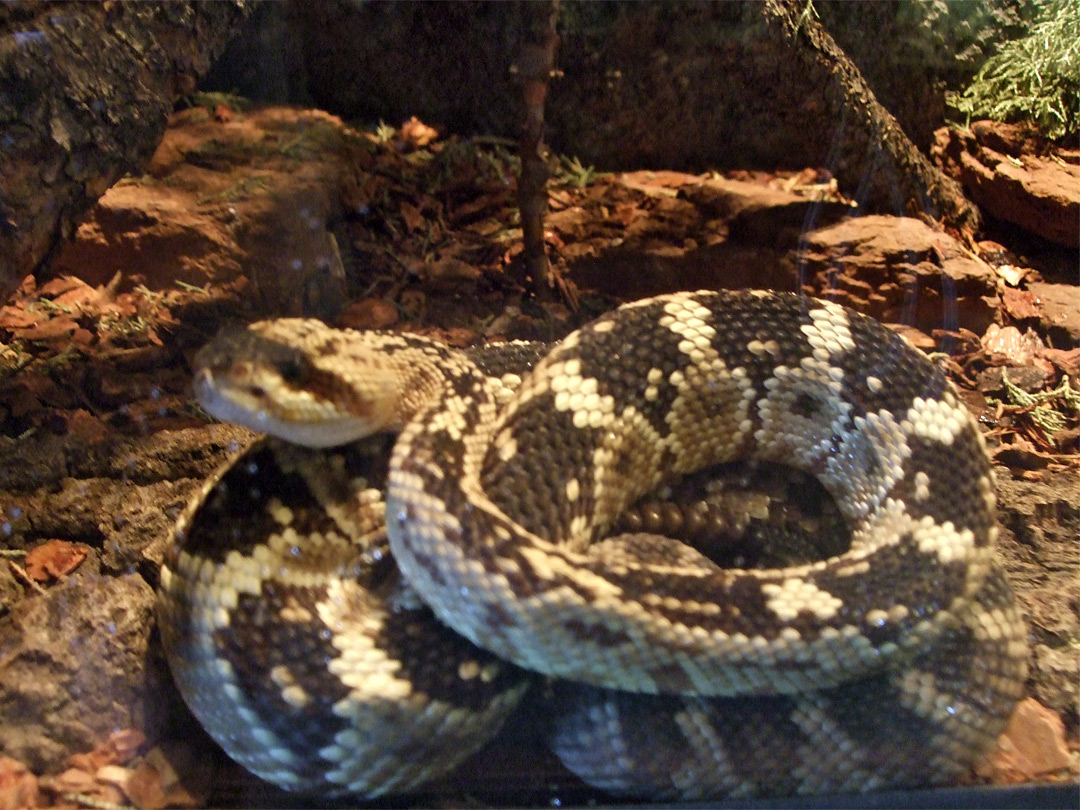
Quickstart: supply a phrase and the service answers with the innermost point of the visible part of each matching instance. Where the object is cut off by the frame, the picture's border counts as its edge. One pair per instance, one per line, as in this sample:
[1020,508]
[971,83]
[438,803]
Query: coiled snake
[895,661]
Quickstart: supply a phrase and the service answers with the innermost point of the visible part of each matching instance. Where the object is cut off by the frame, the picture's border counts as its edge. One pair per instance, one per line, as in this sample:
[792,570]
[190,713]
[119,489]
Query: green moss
[1033,79]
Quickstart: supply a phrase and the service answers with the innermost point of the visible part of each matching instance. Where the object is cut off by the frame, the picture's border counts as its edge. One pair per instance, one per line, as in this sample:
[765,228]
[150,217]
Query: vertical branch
[536,63]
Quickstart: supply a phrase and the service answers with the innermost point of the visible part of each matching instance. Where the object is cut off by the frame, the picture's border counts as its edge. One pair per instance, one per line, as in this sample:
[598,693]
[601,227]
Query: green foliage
[955,38]
[572,172]
[1035,78]
[384,132]
[808,13]
[1041,410]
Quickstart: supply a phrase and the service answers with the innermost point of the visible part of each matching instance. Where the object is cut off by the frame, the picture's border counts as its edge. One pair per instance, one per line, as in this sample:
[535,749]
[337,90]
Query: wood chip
[54,559]
[416,133]
[60,327]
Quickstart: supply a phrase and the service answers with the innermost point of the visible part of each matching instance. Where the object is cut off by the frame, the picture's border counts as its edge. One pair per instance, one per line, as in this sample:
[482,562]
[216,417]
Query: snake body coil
[894,662]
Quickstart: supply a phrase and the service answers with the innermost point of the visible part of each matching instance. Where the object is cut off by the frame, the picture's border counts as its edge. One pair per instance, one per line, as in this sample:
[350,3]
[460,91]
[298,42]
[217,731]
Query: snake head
[299,380]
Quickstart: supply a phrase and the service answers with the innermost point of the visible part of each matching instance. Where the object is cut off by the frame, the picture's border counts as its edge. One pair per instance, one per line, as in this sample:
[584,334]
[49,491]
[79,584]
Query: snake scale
[334,642]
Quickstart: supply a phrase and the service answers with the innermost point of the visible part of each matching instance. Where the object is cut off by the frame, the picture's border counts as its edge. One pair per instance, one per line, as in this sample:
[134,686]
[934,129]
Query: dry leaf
[416,133]
[125,743]
[12,318]
[54,559]
[1020,455]
[82,339]
[917,338]
[155,783]
[370,313]
[118,747]
[73,780]
[1066,360]
[1011,275]
[477,208]
[113,775]
[1020,304]
[80,295]
[86,426]
[59,286]
[412,216]
[144,788]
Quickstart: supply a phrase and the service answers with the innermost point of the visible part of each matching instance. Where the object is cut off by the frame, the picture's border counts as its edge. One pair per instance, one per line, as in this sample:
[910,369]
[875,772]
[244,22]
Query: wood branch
[85,91]
[876,153]
[535,66]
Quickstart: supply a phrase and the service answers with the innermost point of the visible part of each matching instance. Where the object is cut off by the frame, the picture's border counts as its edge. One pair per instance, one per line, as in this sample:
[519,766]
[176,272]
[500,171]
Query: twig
[535,65]
[20,572]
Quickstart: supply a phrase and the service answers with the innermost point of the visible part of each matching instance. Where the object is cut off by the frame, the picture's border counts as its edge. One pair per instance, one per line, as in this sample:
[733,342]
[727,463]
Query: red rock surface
[900,270]
[1020,179]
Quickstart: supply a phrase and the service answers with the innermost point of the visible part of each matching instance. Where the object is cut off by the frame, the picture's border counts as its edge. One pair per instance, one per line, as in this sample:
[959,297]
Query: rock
[756,213]
[1040,520]
[1015,177]
[1060,312]
[1013,346]
[1058,688]
[660,183]
[1032,745]
[900,270]
[896,269]
[1027,378]
[75,668]
[256,196]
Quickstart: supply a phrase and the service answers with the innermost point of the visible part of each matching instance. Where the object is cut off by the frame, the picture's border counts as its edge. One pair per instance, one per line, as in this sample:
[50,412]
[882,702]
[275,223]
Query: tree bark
[85,91]
[876,155]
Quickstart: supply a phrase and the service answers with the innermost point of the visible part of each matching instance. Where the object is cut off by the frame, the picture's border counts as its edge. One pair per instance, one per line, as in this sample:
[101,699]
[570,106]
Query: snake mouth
[229,404]
[248,407]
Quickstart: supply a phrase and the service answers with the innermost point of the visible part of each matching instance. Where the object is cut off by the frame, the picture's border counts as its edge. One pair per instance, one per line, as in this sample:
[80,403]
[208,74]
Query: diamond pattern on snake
[357,604]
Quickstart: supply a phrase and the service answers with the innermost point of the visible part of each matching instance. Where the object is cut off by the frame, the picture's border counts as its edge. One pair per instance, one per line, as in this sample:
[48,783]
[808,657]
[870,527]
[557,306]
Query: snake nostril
[240,371]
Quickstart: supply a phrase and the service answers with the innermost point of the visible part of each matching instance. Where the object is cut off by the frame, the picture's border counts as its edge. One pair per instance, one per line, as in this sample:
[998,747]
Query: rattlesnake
[894,662]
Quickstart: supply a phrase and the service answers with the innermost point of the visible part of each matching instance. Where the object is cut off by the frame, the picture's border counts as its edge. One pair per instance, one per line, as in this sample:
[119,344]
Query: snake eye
[291,370]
